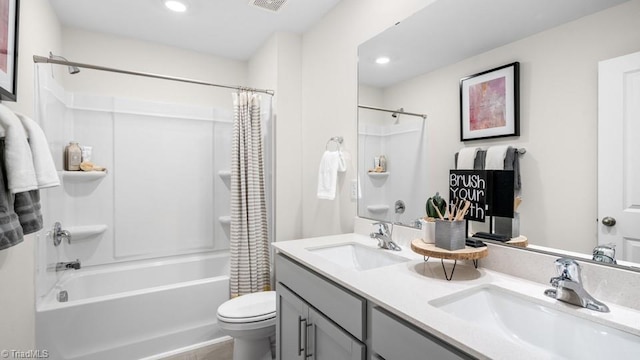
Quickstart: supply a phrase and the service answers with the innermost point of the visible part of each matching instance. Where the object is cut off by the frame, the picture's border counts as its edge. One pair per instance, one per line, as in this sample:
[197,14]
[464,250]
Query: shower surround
[162,209]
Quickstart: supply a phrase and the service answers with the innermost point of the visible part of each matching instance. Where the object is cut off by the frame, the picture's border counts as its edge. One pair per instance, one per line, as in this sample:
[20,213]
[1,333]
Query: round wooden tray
[430,250]
[520,241]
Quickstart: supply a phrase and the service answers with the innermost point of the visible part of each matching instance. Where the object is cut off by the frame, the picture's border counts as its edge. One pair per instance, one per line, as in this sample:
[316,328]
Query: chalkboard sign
[470,185]
[489,191]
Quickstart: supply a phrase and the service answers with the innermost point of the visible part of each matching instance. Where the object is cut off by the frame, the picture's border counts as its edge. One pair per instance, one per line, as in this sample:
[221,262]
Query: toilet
[251,321]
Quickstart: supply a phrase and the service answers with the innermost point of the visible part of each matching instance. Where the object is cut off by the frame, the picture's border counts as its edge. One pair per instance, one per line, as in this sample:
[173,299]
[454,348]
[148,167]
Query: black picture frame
[9,15]
[490,103]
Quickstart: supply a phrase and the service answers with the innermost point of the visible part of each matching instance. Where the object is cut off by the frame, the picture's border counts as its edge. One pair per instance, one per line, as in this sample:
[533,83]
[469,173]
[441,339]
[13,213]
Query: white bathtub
[134,311]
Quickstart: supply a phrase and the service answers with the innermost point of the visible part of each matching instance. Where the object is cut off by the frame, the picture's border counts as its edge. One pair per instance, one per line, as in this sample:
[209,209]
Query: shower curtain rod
[423,116]
[42,59]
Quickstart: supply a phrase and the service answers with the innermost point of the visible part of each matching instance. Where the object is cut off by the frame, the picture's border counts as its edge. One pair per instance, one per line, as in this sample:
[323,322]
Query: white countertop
[405,290]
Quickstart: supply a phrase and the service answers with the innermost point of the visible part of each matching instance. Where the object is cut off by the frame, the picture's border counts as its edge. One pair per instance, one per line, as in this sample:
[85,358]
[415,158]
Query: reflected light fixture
[174,5]
[382,60]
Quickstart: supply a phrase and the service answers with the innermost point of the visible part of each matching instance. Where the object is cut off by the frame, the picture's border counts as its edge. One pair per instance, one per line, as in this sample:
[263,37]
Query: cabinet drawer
[392,338]
[343,307]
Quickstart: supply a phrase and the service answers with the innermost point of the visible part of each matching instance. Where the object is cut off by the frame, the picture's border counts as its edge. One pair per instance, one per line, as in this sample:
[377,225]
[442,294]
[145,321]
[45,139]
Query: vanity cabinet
[319,319]
[305,333]
[393,338]
[316,318]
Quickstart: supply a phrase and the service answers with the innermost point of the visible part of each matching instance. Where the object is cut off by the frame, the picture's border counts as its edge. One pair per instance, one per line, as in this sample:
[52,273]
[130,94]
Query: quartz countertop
[405,289]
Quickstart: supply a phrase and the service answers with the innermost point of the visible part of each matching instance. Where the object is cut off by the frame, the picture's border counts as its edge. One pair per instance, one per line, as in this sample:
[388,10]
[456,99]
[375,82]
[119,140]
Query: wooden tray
[430,250]
[520,241]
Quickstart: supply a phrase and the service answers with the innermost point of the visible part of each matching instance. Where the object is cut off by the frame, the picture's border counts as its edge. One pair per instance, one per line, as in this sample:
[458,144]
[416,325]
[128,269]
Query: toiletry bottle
[72,156]
[383,163]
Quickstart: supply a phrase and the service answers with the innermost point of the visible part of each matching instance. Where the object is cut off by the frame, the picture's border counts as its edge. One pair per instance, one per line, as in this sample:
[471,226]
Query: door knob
[608,221]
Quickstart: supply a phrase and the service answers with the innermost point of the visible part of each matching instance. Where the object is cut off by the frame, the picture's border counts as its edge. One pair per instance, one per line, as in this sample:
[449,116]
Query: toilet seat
[249,308]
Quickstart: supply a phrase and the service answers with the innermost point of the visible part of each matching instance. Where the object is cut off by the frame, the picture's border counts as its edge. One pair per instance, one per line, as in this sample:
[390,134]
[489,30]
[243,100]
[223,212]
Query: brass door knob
[608,221]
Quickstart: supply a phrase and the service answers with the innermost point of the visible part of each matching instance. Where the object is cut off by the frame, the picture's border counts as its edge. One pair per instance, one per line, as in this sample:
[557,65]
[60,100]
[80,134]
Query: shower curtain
[249,233]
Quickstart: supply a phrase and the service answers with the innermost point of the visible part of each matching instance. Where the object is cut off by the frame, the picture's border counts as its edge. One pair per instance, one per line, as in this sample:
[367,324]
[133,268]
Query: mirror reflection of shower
[399,210]
[399,135]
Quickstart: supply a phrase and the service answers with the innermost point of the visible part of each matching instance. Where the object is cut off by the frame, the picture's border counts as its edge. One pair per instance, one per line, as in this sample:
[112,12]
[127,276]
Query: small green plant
[432,203]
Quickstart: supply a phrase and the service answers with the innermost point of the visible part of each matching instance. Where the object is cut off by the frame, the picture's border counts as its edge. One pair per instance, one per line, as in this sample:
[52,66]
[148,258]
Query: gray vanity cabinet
[319,319]
[303,332]
[316,317]
[392,338]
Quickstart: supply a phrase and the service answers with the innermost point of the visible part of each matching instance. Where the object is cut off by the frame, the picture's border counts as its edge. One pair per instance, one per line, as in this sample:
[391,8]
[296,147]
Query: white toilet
[251,321]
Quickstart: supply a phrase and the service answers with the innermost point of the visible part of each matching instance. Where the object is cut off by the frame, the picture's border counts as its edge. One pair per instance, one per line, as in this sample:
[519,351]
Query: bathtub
[134,311]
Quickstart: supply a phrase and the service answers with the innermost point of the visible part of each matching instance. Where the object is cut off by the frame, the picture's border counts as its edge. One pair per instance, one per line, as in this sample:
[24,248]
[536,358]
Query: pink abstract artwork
[4,34]
[487,104]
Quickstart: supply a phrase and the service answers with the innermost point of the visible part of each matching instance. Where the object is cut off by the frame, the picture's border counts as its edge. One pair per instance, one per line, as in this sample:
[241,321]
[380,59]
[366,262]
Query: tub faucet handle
[59,234]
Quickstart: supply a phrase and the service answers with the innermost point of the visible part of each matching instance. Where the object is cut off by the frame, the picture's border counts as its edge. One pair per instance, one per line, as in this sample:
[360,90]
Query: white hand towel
[18,161]
[46,173]
[467,158]
[495,157]
[330,164]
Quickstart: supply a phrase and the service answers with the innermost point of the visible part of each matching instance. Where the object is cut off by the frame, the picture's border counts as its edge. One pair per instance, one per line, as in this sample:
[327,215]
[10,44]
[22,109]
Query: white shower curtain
[249,232]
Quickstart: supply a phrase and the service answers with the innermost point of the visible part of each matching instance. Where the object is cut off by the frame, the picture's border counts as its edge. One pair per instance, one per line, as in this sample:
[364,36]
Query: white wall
[277,66]
[329,100]
[39,33]
[558,99]
[129,54]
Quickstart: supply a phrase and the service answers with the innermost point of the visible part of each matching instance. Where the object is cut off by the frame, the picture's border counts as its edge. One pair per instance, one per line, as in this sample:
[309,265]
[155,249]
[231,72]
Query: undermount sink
[358,257]
[529,322]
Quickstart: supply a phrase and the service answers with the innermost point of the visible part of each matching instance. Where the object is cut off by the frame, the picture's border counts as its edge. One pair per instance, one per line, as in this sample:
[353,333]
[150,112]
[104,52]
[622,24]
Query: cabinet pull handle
[301,348]
[306,333]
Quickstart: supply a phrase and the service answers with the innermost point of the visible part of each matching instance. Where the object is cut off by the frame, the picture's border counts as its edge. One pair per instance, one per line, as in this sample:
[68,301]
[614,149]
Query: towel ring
[337,140]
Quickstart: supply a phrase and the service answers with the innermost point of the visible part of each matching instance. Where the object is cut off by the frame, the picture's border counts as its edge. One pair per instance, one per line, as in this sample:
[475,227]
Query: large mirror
[559,47]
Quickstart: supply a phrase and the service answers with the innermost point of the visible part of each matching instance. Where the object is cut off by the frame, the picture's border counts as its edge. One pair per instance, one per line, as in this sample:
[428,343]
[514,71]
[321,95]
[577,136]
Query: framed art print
[489,104]
[8,48]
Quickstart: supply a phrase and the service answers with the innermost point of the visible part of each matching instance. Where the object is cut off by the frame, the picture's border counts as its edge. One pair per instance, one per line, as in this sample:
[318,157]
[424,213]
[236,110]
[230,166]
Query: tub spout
[61,266]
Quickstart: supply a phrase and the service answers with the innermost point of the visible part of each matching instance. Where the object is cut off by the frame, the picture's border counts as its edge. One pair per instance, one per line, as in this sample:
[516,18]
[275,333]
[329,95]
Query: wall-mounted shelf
[225,220]
[84,232]
[80,176]
[374,174]
[377,208]
[224,174]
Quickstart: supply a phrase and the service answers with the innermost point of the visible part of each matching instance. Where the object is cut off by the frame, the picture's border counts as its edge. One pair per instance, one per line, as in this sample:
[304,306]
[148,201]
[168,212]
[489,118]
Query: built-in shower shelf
[224,174]
[84,232]
[82,175]
[378,208]
[374,174]
[225,220]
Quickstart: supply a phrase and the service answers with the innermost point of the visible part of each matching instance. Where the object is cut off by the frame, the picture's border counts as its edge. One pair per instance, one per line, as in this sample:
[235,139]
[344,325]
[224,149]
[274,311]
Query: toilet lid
[248,308]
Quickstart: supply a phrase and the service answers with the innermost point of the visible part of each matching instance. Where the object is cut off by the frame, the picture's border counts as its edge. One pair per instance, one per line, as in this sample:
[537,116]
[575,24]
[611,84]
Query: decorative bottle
[383,163]
[72,156]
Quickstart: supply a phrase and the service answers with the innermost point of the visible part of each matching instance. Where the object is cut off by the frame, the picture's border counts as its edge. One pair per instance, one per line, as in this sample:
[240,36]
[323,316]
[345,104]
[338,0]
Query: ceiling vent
[271,5]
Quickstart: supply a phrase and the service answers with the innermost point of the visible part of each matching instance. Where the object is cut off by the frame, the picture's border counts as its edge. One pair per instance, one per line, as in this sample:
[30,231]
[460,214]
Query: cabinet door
[291,325]
[393,338]
[327,341]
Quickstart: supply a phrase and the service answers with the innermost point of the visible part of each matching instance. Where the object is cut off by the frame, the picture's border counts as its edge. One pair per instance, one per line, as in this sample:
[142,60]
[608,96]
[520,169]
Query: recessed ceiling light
[382,60]
[174,5]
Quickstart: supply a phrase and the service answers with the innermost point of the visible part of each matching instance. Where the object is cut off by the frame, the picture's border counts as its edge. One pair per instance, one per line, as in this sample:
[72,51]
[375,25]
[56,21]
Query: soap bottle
[72,156]
[383,163]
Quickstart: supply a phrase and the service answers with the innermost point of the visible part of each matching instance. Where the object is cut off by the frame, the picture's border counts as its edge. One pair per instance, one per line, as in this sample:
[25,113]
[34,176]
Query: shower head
[72,69]
[396,116]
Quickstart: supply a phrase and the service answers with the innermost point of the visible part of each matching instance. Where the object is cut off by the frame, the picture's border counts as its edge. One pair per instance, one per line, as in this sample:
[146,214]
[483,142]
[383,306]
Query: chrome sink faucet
[61,266]
[568,286]
[383,235]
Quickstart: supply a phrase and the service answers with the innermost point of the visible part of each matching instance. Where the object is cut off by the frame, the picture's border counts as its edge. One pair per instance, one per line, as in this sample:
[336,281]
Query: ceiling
[429,39]
[232,29]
